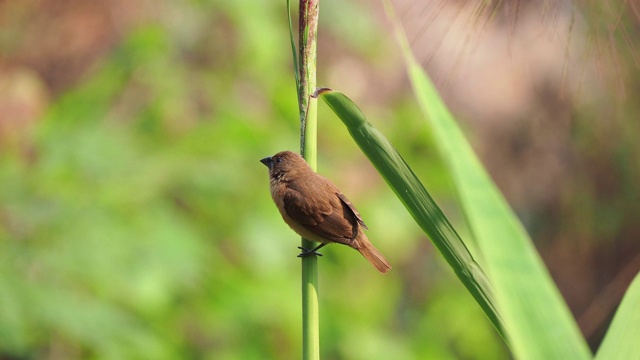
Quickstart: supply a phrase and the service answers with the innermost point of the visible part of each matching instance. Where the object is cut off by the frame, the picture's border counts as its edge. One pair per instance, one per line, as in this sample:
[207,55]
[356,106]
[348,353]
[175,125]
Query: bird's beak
[268,162]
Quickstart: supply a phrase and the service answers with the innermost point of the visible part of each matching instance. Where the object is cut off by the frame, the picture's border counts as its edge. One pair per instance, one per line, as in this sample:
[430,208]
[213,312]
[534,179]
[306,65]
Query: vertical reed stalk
[308,30]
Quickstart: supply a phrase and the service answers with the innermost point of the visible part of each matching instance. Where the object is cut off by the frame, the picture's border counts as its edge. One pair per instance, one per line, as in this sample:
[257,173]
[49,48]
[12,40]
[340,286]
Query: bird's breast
[278,191]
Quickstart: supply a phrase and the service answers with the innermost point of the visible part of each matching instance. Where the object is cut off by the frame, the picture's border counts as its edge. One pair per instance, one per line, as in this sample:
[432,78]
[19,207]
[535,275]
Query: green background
[136,221]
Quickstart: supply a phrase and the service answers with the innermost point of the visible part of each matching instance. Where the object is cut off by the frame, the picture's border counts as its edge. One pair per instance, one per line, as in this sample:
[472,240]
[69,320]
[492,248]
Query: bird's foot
[306,252]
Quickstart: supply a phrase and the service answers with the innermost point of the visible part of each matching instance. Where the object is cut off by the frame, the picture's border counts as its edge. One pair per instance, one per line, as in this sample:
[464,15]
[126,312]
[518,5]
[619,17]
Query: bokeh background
[136,221]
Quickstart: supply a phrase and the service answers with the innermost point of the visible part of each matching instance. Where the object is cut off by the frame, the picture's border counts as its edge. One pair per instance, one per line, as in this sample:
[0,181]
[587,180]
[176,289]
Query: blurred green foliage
[138,225]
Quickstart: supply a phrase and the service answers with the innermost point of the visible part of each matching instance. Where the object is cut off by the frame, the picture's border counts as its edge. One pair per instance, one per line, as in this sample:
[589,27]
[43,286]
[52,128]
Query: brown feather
[354,211]
[325,217]
[374,256]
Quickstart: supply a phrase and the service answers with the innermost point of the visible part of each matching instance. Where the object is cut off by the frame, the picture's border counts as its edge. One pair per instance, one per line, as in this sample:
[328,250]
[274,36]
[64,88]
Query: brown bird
[314,208]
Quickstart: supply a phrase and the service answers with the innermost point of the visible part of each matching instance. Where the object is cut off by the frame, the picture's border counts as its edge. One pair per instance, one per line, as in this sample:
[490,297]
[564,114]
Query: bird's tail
[374,256]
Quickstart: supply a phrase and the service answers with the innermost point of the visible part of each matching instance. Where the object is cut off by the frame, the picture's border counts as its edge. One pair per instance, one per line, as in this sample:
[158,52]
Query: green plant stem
[310,308]
[308,30]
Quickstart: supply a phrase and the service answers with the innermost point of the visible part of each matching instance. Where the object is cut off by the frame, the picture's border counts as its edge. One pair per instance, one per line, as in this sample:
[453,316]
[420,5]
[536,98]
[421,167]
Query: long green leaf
[536,319]
[294,52]
[415,198]
[622,341]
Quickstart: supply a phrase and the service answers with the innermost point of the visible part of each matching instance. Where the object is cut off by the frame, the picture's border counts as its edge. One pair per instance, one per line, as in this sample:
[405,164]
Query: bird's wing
[353,209]
[329,218]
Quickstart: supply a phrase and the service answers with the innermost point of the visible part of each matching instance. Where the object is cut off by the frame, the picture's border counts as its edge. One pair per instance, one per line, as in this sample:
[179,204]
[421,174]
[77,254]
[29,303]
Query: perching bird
[314,208]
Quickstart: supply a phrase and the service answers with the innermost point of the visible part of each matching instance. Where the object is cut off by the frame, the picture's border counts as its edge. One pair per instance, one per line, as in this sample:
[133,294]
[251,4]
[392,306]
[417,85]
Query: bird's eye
[278,160]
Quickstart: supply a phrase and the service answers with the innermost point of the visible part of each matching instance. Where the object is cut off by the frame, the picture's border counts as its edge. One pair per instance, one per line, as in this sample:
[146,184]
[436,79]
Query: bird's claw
[306,252]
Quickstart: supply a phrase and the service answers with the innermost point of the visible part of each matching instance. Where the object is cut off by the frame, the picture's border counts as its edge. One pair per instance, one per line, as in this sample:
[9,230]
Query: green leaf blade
[416,199]
[537,320]
[294,51]
[622,341]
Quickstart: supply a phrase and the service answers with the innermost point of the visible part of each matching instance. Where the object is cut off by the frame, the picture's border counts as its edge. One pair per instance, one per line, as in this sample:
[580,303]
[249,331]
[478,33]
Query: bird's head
[283,163]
